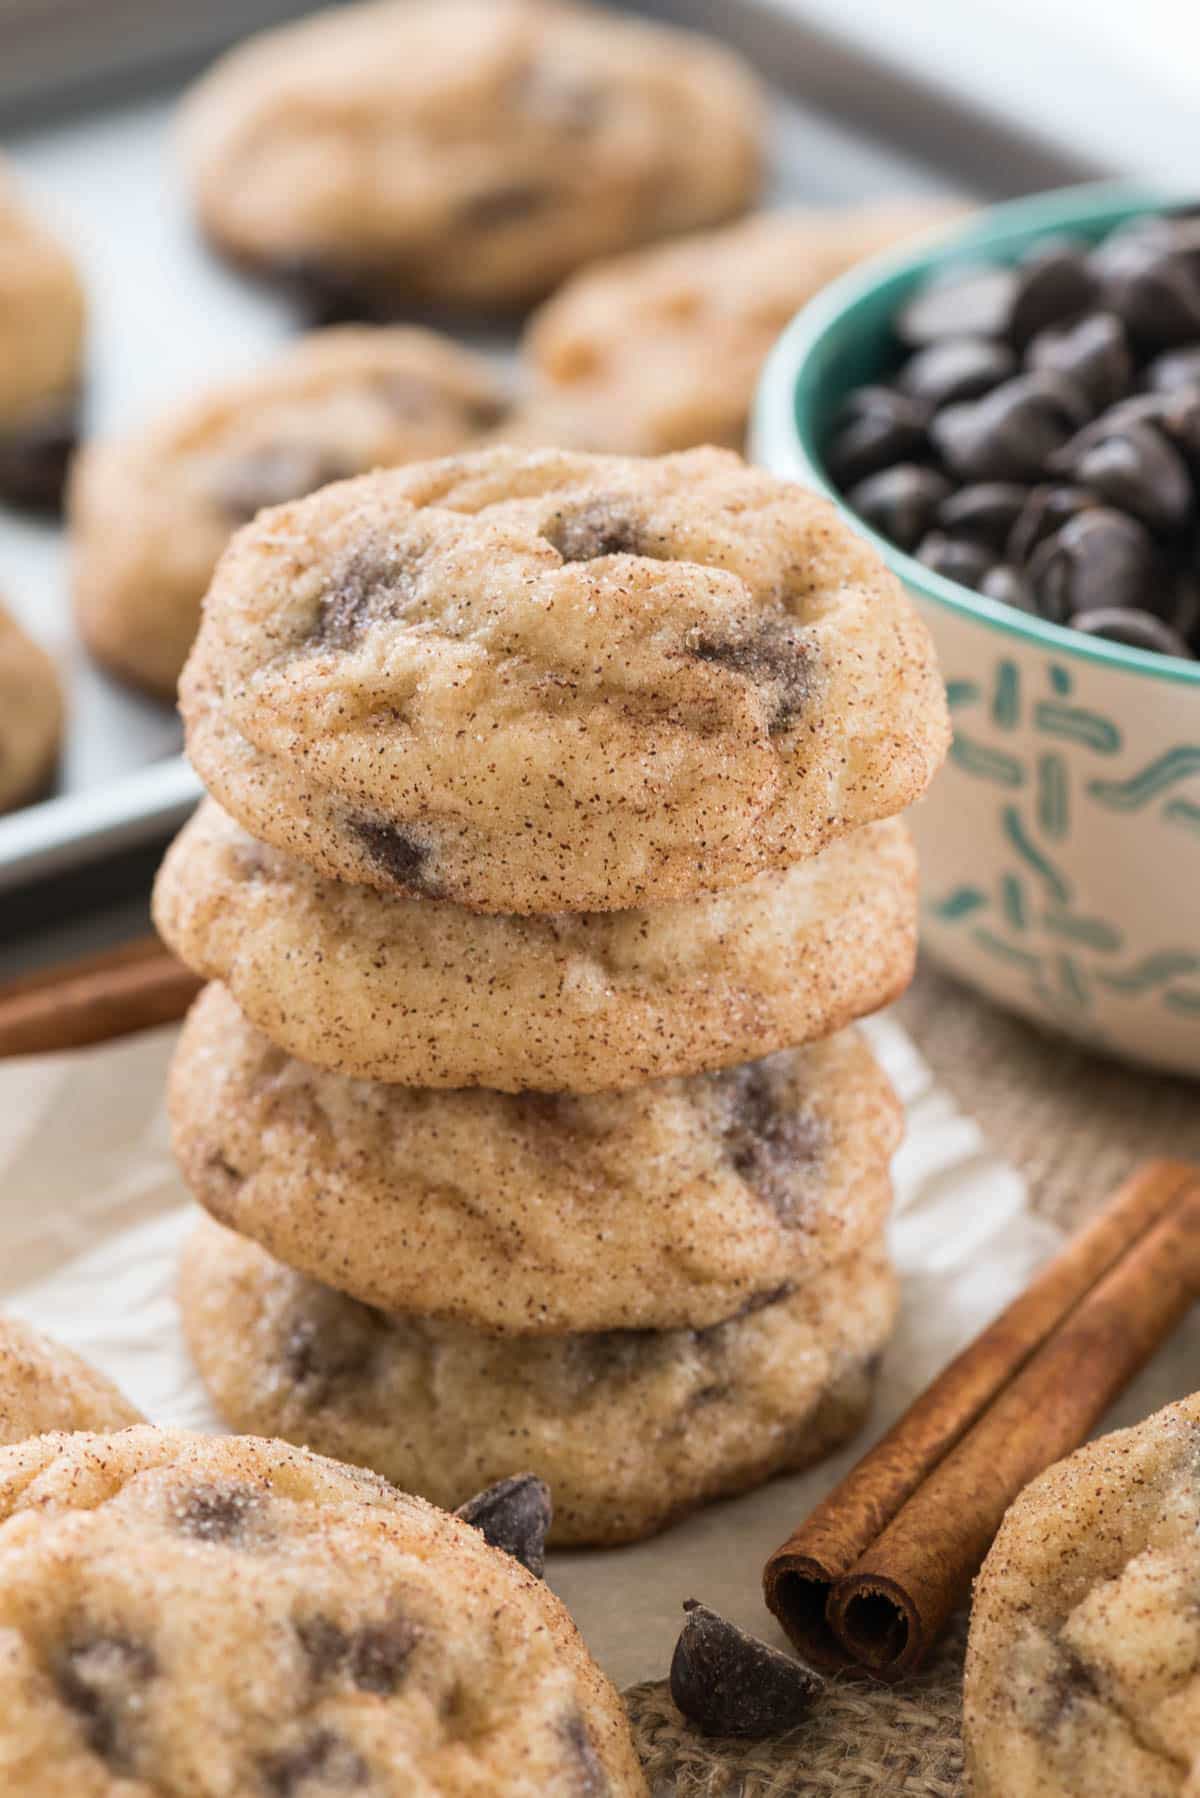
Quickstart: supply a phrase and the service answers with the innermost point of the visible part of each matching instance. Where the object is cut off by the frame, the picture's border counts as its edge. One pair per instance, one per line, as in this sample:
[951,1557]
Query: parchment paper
[92,1215]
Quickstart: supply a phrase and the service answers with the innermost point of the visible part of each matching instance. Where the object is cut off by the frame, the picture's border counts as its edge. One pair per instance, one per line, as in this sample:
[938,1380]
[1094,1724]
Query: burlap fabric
[1075,1126]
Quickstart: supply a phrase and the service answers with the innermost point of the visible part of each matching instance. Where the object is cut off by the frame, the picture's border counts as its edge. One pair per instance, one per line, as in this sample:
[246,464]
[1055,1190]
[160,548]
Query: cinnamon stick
[95,999]
[871,1577]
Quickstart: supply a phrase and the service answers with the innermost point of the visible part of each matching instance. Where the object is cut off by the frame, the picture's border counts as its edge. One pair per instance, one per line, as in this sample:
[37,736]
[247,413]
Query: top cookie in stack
[574,774]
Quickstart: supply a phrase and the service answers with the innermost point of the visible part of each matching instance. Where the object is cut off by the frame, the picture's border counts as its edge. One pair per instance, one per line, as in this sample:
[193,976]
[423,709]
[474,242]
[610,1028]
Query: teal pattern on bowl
[1060,847]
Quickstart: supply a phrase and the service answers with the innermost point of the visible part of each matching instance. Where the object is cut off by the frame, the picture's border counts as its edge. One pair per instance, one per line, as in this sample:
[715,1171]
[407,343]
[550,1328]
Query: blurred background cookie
[31,714]
[43,1386]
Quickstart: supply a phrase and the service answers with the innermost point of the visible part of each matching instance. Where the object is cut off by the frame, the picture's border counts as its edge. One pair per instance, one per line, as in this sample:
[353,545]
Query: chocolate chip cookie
[464,151]
[150,513]
[629,1428]
[1083,1664]
[426,993]
[41,356]
[661,349]
[539,682]
[43,1386]
[31,714]
[212,1616]
[670,1204]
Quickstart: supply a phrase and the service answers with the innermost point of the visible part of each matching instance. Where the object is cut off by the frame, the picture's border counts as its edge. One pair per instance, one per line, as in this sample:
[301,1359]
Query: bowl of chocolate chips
[1011,410]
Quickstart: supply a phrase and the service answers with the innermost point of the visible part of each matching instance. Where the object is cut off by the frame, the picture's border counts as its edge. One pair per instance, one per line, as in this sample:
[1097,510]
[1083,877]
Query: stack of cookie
[554,806]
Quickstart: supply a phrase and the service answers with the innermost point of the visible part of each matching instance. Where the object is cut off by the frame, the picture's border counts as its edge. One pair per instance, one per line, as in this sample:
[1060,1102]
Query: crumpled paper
[92,1214]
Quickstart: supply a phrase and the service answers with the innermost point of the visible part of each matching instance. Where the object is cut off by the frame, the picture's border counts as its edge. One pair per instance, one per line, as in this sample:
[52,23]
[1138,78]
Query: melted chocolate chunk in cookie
[213,1513]
[101,1679]
[324,1763]
[373,1657]
[774,656]
[601,528]
[766,1138]
[275,474]
[591,1780]
[506,204]
[332,1339]
[402,856]
[370,588]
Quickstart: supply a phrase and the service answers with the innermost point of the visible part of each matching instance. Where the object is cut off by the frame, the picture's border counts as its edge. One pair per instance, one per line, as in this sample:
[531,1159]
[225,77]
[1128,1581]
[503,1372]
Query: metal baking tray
[167,317]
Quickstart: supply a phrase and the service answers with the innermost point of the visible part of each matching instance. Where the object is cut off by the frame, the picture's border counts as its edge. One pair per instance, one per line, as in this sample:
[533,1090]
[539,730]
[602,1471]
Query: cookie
[661,349]
[1083,1663]
[41,356]
[31,715]
[43,1386]
[630,1429]
[183,1613]
[670,1204]
[467,152]
[538,682]
[150,513]
[423,992]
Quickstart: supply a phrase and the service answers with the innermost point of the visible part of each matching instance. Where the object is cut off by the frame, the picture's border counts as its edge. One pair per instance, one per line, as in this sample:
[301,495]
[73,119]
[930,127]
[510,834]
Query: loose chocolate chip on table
[1009,433]
[1136,629]
[957,368]
[730,1684]
[876,427]
[900,502]
[984,512]
[1138,470]
[974,302]
[1052,284]
[1173,369]
[1045,511]
[954,557]
[1092,351]
[1009,586]
[515,1515]
[1099,559]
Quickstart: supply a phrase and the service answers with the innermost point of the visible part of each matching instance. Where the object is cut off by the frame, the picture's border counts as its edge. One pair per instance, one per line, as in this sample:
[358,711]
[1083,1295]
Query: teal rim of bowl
[805,377]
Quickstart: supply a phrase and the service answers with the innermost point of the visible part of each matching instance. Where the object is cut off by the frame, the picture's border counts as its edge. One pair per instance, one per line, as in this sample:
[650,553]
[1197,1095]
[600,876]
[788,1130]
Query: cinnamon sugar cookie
[43,1386]
[41,355]
[220,1617]
[630,1428]
[552,682]
[31,714]
[464,151]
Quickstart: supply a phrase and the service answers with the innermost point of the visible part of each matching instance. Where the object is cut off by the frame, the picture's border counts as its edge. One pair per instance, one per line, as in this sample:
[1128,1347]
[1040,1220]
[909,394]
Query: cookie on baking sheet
[1083,1663]
[31,714]
[216,1616]
[531,1212]
[661,349]
[539,682]
[423,992]
[151,512]
[44,1386]
[471,152]
[629,1428]
[41,355]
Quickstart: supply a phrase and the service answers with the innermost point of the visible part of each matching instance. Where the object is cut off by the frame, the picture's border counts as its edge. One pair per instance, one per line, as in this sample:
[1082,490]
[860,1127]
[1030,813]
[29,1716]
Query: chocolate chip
[984,512]
[331,1340]
[876,427]
[505,204]
[274,475]
[591,1781]
[219,1164]
[1070,1681]
[1098,560]
[1047,508]
[372,1657]
[957,368]
[1009,433]
[369,588]
[954,558]
[900,502]
[766,1137]
[729,1683]
[1136,629]
[773,655]
[965,303]
[326,1762]
[1153,288]
[1138,470]
[602,527]
[102,1678]
[1053,283]
[1093,352]
[1173,369]
[515,1515]
[331,293]
[1009,586]
[35,457]
[403,857]
[215,1513]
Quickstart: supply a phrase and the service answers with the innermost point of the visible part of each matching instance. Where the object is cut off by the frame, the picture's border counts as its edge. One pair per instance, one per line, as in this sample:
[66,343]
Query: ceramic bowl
[1060,846]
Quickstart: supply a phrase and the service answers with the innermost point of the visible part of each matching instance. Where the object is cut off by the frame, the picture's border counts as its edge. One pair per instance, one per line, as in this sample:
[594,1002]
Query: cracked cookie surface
[1083,1663]
[470,152]
[426,993]
[534,1213]
[44,1386]
[630,1429]
[31,714]
[532,682]
[188,1615]
[151,512]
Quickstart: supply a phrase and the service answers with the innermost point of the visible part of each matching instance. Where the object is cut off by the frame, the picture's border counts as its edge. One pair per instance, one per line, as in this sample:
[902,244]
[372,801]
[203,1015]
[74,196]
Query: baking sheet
[167,319]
